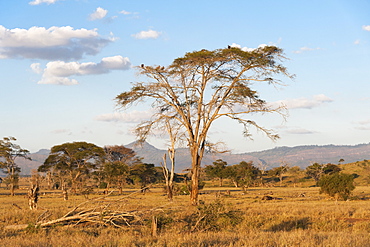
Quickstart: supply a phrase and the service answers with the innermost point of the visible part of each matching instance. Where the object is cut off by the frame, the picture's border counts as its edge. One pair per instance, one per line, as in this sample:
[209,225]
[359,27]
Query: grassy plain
[222,219]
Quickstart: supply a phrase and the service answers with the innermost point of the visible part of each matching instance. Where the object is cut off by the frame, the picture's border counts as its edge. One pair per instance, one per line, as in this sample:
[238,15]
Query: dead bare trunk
[33,196]
[65,192]
[169,175]
[154,226]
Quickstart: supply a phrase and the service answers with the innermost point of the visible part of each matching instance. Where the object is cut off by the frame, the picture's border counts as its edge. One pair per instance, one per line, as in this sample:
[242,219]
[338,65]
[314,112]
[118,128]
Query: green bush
[338,185]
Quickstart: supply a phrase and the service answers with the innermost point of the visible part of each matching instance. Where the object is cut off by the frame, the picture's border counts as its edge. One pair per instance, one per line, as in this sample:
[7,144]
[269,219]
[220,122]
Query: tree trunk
[281,179]
[33,196]
[12,182]
[169,175]
[196,158]
[12,188]
[107,188]
[194,186]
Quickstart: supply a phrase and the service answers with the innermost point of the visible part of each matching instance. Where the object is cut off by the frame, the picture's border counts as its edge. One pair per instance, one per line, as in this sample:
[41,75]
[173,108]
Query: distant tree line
[79,167]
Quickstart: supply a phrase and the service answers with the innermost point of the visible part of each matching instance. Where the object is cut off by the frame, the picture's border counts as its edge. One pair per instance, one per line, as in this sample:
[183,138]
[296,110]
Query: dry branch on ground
[98,213]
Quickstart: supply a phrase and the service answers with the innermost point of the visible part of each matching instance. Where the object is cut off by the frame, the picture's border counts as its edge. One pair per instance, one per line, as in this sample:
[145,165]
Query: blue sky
[62,62]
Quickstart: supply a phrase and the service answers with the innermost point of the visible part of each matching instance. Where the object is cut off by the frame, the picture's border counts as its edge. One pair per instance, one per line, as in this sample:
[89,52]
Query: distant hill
[38,159]
[301,156]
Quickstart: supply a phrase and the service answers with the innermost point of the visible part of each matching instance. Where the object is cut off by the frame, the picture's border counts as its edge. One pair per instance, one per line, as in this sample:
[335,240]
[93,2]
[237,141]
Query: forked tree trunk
[169,175]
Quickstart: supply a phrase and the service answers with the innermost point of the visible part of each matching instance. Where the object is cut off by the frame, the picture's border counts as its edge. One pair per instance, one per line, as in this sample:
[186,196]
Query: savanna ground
[222,219]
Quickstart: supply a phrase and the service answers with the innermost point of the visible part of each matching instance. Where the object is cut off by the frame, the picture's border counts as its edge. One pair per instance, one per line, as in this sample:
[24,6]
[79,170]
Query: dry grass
[289,220]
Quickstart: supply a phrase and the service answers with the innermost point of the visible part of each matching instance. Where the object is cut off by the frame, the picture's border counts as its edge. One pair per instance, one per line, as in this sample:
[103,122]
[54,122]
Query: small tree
[8,153]
[338,185]
[113,173]
[279,172]
[243,174]
[316,170]
[115,169]
[144,174]
[217,170]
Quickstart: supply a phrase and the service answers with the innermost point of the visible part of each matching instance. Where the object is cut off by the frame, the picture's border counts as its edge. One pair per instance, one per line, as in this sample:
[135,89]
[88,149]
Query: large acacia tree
[71,162]
[202,87]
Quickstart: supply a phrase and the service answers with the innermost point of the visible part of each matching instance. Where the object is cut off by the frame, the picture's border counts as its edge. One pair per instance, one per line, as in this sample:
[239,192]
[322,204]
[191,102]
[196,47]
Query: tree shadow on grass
[290,225]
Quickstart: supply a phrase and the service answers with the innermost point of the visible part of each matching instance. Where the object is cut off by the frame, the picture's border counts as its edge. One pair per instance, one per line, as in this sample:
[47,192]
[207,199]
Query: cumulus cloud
[98,14]
[150,34]
[57,72]
[55,43]
[366,27]
[304,103]
[36,68]
[125,117]
[305,48]
[37,2]
[247,48]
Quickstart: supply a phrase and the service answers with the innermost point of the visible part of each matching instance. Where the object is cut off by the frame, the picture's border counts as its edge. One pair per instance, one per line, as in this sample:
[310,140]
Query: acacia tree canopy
[204,86]
[73,160]
[9,151]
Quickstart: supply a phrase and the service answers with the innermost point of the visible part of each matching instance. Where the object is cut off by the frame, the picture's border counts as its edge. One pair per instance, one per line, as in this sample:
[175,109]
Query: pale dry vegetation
[238,219]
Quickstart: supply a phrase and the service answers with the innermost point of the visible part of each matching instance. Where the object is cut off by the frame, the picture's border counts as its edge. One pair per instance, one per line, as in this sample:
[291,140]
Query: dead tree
[33,192]
[33,196]
[169,174]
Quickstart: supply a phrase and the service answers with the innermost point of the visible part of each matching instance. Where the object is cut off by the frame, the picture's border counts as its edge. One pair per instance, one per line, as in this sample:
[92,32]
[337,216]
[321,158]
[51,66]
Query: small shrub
[214,217]
[338,185]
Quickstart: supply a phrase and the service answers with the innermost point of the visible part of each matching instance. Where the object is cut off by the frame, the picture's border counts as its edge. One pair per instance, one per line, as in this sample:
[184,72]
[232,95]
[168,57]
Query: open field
[237,219]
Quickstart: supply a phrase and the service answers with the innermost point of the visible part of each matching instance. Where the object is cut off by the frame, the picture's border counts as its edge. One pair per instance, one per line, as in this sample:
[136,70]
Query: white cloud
[57,72]
[124,12]
[55,43]
[357,42]
[131,15]
[305,48]
[247,48]
[304,103]
[294,130]
[36,68]
[37,2]
[150,34]
[99,13]
[129,117]
[366,27]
